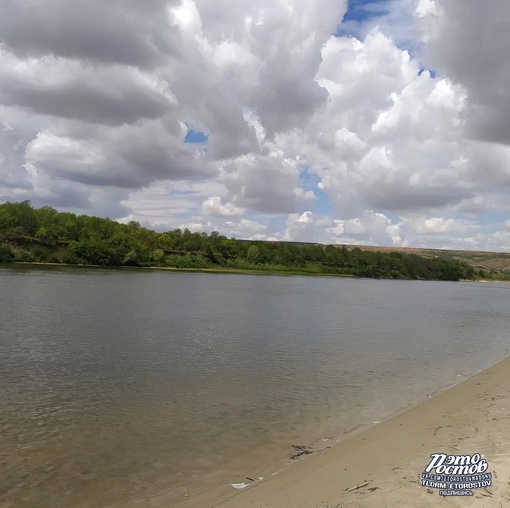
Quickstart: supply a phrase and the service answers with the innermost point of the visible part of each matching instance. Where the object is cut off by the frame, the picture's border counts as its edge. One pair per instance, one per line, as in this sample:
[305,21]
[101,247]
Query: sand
[386,461]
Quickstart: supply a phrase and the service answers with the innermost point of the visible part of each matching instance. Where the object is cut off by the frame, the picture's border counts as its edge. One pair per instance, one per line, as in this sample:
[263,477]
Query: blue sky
[195,137]
[359,13]
[364,10]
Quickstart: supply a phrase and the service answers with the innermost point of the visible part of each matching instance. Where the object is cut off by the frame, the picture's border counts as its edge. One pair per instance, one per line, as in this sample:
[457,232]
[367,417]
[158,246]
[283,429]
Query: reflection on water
[125,385]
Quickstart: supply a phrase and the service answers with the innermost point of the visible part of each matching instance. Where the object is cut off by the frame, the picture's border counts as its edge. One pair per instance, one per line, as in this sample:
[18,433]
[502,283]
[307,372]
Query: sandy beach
[383,465]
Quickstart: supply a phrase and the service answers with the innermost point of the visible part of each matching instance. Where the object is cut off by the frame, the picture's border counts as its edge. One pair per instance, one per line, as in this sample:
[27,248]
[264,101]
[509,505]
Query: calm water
[119,386]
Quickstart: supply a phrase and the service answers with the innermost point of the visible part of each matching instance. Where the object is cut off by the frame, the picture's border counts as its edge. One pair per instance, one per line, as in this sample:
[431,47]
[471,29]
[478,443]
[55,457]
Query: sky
[363,122]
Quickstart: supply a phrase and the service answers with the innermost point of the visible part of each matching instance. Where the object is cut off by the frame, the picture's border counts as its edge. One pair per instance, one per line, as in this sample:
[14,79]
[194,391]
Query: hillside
[492,264]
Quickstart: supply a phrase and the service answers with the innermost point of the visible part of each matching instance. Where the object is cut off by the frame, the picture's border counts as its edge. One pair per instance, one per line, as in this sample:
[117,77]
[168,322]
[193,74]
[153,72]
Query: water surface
[120,385]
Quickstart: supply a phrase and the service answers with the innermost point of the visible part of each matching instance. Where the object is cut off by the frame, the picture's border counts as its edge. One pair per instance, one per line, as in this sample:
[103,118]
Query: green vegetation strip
[46,236]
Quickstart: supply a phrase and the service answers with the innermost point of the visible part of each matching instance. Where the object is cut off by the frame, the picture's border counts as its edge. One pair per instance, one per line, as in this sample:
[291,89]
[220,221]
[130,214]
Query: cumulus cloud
[438,226]
[266,183]
[468,42]
[373,228]
[389,130]
[300,228]
[72,89]
[213,206]
[121,31]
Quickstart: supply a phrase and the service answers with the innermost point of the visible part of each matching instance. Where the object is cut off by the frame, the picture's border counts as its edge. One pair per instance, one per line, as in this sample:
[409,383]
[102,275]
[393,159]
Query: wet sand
[382,466]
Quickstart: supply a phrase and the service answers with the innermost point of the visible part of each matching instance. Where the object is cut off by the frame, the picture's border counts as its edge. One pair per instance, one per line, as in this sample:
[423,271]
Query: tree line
[30,234]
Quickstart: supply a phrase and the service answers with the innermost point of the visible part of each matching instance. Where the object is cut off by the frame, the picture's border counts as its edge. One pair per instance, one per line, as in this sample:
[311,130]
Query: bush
[42,254]
[6,255]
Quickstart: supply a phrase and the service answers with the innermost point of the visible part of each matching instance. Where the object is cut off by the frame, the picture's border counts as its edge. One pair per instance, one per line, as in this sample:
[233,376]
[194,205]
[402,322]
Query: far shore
[230,270]
[382,466]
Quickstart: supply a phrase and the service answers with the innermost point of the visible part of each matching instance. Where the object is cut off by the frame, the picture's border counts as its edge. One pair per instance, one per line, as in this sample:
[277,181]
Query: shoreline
[382,465]
[240,271]
[220,270]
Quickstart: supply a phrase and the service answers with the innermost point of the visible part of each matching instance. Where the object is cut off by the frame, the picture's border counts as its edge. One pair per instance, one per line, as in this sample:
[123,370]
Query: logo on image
[456,475]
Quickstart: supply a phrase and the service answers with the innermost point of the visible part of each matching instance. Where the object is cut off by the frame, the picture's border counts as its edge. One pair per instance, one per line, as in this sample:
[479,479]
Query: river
[126,385]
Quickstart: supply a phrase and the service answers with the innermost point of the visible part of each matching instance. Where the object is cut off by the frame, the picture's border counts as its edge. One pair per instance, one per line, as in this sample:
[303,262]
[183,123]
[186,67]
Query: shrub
[6,255]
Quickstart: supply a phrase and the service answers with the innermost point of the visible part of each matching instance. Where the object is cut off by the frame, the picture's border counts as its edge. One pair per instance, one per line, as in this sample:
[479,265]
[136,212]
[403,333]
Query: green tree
[253,254]
[19,218]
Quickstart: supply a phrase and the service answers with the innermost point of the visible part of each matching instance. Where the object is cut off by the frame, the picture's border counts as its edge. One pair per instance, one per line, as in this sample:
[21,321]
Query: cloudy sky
[372,122]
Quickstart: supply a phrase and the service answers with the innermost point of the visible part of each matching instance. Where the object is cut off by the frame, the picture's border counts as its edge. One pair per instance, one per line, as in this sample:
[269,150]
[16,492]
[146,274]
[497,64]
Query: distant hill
[492,264]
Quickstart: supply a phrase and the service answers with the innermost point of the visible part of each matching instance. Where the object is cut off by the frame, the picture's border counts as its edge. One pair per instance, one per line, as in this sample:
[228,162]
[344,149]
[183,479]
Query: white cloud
[428,8]
[213,206]
[311,137]
[373,228]
[300,227]
[437,226]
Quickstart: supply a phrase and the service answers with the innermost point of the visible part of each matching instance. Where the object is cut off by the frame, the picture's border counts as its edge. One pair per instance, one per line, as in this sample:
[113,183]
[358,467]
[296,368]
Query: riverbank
[382,466]
[221,270]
